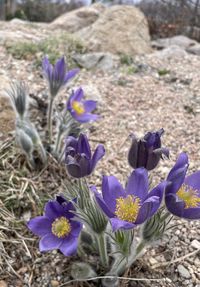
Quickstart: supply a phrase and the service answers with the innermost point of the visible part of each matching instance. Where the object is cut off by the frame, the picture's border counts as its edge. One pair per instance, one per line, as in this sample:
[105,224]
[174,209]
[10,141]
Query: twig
[111,277]
[176,260]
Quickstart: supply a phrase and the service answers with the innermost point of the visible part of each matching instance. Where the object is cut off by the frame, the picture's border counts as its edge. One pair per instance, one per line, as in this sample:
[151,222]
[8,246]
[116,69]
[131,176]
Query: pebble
[152,261]
[195,244]
[183,271]
[54,283]
[3,284]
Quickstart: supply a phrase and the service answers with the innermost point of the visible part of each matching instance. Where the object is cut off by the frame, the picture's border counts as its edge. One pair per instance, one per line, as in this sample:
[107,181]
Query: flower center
[61,227]
[78,107]
[127,208]
[189,195]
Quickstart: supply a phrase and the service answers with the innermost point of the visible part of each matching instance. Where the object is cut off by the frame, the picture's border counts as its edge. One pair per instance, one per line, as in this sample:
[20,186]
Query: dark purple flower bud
[182,196]
[78,157]
[57,76]
[147,151]
[81,109]
[129,207]
[57,228]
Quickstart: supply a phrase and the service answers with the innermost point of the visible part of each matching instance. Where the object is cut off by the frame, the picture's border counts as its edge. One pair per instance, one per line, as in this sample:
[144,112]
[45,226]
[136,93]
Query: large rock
[16,31]
[119,30]
[99,60]
[180,40]
[75,20]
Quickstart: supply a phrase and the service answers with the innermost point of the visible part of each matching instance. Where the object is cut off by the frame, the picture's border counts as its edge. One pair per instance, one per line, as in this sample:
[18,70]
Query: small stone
[3,284]
[152,261]
[195,244]
[183,271]
[54,283]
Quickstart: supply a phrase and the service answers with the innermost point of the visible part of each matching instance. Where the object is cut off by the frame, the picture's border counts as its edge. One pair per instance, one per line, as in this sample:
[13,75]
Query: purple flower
[57,76]
[78,156]
[146,152]
[81,109]
[57,228]
[182,196]
[132,206]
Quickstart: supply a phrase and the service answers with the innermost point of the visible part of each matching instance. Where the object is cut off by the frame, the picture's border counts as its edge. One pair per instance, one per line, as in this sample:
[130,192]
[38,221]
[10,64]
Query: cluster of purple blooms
[124,208]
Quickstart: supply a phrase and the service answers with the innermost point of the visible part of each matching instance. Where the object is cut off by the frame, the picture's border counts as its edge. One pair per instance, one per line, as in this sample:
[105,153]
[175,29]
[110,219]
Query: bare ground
[129,103]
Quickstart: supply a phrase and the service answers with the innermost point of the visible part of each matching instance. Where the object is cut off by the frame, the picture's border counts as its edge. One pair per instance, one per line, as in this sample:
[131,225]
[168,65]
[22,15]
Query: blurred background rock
[166,18]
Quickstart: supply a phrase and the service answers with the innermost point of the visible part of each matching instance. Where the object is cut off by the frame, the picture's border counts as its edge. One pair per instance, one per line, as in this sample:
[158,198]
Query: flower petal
[78,95]
[181,162]
[47,68]
[85,118]
[74,170]
[120,224]
[138,183]
[71,74]
[111,190]
[53,210]
[98,154]
[83,146]
[69,246]
[191,213]
[193,180]
[102,204]
[40,225]
[174,204]
[90,106]
[49,242]
[75,228]
[59,70]
[158,193]
[148,208]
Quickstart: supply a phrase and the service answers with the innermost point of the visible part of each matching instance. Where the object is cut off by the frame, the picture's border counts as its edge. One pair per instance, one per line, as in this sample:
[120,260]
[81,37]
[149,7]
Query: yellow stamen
[61,227]
[189,195]
[127,208]
[78,107]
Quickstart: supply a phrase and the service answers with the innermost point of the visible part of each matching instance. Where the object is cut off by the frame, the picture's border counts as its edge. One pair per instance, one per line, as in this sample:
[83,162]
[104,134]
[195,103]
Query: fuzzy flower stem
[102,247]
[58,141]
[49,119]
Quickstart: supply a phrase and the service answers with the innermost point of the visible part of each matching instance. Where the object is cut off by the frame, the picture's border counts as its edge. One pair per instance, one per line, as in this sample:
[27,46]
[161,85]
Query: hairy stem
[102,247]
[49,119]
[58,142]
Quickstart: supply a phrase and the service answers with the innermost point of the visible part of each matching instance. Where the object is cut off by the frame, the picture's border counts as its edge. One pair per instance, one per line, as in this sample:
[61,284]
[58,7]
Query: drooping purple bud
[78,157]
[147,151]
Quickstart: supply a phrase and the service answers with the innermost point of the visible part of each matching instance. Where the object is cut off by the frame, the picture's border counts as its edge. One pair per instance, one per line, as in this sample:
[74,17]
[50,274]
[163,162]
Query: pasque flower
[57,228]
[182,196]
[129,207]
[81,109]
[147,151]
[57,76]
[78,157]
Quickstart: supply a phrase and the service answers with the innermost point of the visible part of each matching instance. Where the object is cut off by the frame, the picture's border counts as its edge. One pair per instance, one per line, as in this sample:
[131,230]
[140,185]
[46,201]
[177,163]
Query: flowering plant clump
[85,220]
[76,112]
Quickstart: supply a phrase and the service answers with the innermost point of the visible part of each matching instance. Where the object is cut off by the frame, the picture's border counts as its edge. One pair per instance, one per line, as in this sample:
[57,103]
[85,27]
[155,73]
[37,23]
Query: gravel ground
[129,103]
